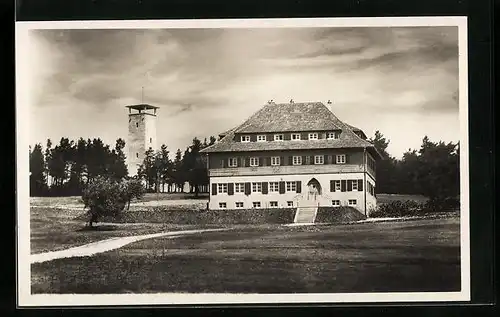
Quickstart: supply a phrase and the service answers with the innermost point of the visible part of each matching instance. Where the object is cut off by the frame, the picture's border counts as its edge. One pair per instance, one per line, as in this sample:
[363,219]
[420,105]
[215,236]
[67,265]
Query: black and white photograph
[242,161]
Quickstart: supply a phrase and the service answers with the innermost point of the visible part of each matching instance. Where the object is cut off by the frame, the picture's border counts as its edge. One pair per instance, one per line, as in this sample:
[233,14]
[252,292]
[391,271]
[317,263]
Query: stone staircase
[306,214]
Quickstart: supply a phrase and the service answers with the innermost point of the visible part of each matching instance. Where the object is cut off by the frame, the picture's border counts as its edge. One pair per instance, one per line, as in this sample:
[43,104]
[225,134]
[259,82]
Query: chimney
[291,100]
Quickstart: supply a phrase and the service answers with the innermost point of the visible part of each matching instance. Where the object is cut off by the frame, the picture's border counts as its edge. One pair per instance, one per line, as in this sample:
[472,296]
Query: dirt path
[108,245]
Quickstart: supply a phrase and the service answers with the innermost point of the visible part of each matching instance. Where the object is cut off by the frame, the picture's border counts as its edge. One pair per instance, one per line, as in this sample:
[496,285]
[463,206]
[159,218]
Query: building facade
[293,155]
[141,135]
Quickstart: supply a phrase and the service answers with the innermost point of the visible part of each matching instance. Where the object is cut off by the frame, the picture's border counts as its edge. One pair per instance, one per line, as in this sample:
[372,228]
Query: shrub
[410,208]
[397,208]
[107,198]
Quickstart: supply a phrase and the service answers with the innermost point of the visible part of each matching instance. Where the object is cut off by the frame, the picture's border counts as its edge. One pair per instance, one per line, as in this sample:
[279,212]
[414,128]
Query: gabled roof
[290,117]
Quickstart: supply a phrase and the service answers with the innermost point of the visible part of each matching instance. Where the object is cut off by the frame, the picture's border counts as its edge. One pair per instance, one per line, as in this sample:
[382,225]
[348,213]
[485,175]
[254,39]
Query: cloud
[209,80]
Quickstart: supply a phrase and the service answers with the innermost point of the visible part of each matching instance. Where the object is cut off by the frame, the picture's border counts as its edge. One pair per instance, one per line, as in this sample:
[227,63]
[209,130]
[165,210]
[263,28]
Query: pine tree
[38,184]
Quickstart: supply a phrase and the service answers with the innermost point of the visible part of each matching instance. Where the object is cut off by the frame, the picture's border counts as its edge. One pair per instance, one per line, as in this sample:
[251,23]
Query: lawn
[55,229]
[419,255]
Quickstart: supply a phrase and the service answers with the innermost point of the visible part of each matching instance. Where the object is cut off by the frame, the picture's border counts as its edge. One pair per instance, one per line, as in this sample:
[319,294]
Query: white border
[25,299]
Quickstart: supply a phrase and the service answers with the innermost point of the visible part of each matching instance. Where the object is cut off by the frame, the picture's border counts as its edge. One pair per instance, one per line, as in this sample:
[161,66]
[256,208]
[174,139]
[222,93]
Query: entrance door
[313,192]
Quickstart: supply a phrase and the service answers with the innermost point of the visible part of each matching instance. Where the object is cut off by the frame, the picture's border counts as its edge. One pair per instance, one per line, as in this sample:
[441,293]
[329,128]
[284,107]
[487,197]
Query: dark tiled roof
[290,117]
[294,117]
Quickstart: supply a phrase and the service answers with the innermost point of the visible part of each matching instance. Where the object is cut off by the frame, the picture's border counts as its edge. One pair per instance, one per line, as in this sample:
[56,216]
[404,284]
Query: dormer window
[279,137]
[245,138]
[261,138]
[295,136]
[332,135]
[313,136]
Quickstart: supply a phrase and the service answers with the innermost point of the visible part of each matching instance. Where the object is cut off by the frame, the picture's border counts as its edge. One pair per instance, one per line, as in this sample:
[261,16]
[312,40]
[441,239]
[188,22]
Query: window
[340,159]
[275,160]
[335,203]
[289,203]
[245,138]
[279,137]
[136,154]
[352,202]
[295,136]
[354,186]
[332,135]
[137,124]
[273,204]
[291,186]
[150,140]
[222,188]
[319,159]
[233,162]
[261,138]
[313,136]
[239,187]
[222,205]
[256,187]
[337,186]
[297,160]
[273,187]
[254,161]
[256,204]
[239,204]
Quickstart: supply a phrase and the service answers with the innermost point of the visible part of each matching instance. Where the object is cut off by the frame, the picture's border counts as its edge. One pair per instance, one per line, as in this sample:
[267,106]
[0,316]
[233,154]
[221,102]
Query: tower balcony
[287,170]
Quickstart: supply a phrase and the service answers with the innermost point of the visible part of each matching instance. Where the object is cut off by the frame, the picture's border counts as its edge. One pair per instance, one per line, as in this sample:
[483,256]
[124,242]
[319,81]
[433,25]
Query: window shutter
[230,188]
[343,185]
[214,189]
[349,185]
[311,160]
[334,159]
[282,160]
[325,159]
[247,161]
[290,160]
[330,159]
[304,136]
[347,159]
[304,160]
[222,163]
[253,138]
[287,136]
[360,184]
[332,185]
[248,188]
[264,187]
[282,187]
[268,161]
[261,159]
[299,187]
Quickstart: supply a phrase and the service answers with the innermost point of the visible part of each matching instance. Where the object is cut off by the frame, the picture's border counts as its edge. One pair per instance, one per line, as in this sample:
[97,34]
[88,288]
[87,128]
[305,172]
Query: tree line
[432,171]
[68,167]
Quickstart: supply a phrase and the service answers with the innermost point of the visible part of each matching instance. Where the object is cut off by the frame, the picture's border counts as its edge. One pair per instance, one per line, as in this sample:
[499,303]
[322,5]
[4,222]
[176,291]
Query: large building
[141,134]
[292,155]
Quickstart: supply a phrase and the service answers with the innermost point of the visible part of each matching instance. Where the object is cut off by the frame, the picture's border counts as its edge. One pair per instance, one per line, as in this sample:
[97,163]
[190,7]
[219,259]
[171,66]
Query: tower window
[150,140]
[137,124]
[137,155]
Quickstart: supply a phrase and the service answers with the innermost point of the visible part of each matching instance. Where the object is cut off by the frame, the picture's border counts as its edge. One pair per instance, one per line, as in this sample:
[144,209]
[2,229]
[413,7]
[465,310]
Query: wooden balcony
[285,170]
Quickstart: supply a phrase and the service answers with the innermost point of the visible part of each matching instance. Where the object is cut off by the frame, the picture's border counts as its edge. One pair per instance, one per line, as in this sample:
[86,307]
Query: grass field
[420,255]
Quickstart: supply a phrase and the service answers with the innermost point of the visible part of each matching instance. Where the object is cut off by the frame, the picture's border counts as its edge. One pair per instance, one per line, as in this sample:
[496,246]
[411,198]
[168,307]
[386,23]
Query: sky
[400,81]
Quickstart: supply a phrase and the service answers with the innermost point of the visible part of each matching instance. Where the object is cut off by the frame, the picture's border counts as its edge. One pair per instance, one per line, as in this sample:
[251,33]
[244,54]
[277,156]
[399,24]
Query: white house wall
[299,199]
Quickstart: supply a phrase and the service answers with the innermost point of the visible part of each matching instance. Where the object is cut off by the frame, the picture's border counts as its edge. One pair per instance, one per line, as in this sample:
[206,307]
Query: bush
[107,198]
[397,208]
[410,208]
